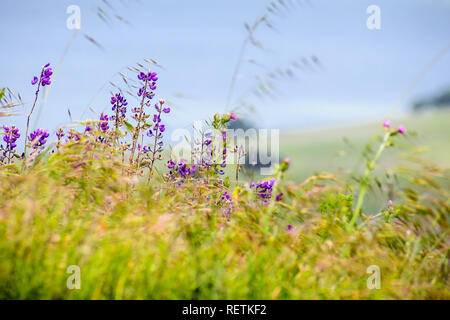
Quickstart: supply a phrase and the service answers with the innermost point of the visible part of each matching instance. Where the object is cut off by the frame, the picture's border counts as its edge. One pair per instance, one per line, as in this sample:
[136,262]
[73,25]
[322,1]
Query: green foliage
[135,239]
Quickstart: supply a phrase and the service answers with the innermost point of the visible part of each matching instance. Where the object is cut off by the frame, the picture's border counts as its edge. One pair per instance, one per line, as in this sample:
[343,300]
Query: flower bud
[226,117]
[285,164]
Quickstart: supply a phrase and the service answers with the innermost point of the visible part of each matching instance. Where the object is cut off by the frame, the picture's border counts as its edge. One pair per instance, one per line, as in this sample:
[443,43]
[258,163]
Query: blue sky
[362,75]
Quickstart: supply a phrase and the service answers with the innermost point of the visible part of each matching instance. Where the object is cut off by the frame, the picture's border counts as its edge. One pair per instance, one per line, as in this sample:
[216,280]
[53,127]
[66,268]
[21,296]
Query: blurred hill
[437,101]
[340,149]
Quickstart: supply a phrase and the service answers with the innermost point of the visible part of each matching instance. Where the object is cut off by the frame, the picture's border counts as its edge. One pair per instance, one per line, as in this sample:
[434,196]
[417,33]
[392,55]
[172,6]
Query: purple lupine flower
[141,76]
[158,130]
[156,118]
[38,137]
[387,124]
[289,227]
[150,78]
[11,135]
[119,103]
[73,136]
[264,189]
[60,133]
[224,151]
[146,91]
[88,128]
[279,197]
[401,130]
[181,169]
[224,198]
[44,79]
[104,122]
[170,164]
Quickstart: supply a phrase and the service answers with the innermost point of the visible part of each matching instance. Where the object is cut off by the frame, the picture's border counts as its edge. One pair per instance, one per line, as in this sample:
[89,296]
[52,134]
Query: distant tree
[439,101]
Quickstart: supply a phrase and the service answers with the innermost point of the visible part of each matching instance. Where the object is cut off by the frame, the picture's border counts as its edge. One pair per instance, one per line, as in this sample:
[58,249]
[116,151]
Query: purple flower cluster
[11,135]
[279,196]
[264,189]
[146,92]
[205,150]
[180,169]
[45,76]
[224,198]
[224,152]
[157,131]
[38,137]
[119,105]
[226,203]
[73,136]
[150,80]
[104,122]
[60,133]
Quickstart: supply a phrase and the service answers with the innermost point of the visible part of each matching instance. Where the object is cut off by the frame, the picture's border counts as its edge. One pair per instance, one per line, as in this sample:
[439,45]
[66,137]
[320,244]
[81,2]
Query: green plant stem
[369,168]
[138,126]
[278,178]
[28,121]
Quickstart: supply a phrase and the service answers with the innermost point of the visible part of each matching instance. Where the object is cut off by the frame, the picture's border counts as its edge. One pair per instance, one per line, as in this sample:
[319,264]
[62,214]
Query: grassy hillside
[340,149]
[197,237]
[98,211]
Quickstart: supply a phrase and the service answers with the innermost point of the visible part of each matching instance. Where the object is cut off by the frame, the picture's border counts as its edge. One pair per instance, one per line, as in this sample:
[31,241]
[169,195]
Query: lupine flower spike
[44,80]
[38,138]
[11,135]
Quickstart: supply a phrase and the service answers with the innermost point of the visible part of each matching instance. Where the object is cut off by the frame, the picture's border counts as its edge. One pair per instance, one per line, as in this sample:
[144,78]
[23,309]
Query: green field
[326,150]
[137,236]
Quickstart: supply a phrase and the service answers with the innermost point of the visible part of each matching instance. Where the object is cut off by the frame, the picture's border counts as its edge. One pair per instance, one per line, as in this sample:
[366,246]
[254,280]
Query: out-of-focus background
[312,68]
